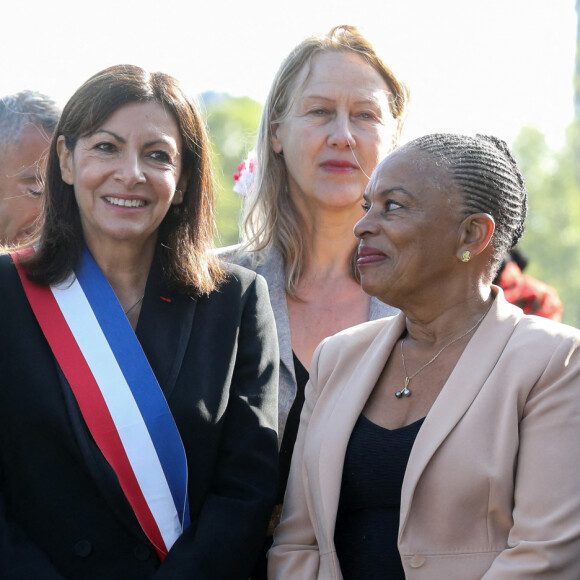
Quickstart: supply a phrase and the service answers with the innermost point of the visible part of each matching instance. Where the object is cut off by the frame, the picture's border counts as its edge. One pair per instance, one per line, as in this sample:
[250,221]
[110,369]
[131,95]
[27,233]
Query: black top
[367,522]
[291,429]
[260,571]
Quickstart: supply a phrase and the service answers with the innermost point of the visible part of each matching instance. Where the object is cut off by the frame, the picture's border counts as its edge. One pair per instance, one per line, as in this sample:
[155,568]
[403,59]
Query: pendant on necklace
[405,391]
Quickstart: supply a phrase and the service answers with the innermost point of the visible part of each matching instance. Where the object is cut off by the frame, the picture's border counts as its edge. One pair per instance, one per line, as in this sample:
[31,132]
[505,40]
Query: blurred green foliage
[232,125]
[552,238]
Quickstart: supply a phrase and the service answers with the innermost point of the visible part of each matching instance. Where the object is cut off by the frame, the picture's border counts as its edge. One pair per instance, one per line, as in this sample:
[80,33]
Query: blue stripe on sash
[140,378]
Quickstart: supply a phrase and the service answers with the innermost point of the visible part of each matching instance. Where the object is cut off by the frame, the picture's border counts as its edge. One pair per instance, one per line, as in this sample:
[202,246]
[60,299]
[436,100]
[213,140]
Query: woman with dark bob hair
[138,380]
[440,443]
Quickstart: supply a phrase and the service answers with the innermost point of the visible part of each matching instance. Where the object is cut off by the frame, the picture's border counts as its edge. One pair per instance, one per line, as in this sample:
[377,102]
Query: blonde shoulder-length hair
[271,219]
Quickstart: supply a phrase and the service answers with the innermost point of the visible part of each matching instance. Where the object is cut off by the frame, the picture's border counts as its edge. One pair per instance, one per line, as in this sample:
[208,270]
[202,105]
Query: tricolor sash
[118,395]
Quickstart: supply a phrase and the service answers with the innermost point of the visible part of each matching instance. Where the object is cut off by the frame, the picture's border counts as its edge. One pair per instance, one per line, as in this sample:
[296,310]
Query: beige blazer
[492,487]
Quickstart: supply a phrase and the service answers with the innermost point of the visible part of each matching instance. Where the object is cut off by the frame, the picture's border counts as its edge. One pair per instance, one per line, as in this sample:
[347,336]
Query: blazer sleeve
[230,529]
[20,557]
[544,541]
[295,551]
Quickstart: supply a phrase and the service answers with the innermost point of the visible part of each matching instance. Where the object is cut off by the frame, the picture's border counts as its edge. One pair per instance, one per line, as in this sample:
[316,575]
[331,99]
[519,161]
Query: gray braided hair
[489,178]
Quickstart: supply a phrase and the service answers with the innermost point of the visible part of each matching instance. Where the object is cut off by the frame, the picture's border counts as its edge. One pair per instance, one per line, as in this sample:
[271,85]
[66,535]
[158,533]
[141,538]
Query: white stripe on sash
[122,406]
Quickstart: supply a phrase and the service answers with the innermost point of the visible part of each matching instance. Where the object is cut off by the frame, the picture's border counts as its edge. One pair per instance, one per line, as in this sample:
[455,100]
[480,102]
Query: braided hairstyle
[489,178]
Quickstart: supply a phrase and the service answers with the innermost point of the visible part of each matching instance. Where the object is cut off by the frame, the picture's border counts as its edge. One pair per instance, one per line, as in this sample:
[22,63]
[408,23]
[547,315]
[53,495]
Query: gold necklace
[405,391]
[134,305]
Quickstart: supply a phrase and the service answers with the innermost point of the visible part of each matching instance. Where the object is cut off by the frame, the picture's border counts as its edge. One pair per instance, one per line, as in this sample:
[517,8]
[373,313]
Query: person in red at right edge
[530,294]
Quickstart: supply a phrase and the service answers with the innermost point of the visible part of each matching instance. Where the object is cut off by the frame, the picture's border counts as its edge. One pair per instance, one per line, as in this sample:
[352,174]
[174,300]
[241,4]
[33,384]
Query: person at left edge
[129,190]
[27,121]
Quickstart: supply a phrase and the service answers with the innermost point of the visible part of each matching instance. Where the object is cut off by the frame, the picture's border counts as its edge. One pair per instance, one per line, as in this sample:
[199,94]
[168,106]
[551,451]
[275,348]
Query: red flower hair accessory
[245,175]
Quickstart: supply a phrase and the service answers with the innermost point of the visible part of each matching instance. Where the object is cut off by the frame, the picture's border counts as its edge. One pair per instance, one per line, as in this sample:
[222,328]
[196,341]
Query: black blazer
[62,511]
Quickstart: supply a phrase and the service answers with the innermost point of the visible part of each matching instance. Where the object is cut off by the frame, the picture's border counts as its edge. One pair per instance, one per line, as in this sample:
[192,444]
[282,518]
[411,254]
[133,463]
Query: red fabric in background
[531,295]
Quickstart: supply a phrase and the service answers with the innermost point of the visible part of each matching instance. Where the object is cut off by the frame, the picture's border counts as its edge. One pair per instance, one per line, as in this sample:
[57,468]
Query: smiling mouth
[125,202]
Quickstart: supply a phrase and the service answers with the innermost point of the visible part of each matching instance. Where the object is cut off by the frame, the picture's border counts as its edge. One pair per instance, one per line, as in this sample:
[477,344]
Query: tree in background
[552,237]
[233,125]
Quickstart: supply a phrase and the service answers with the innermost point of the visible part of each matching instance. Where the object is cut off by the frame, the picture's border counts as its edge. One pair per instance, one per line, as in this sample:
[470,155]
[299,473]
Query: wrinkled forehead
[327,72]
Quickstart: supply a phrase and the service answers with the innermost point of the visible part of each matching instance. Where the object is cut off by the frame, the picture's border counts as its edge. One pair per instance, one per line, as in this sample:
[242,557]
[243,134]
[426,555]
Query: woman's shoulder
[241,255]
[11,289]
[236,254]
[531,341]
[236,278]
[7,267]
[241,282]
[231,253]
[508,324]
[238,273]
[545,331]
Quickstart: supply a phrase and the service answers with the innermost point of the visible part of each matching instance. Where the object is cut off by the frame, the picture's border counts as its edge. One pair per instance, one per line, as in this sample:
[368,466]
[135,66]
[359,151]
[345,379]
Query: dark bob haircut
[185,237]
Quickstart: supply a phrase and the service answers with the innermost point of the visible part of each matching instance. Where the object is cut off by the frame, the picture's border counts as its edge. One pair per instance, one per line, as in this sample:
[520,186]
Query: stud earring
[466,256]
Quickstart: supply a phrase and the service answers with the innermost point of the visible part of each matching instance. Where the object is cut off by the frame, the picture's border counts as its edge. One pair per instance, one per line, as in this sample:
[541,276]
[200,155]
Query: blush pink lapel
[472,370]
[336,420]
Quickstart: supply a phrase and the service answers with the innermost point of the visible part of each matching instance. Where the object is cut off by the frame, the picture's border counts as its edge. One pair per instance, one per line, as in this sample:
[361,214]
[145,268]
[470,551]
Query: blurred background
[504,67]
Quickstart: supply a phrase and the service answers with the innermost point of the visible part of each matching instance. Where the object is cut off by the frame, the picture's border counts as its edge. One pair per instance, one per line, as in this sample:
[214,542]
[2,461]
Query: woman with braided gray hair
[441,442]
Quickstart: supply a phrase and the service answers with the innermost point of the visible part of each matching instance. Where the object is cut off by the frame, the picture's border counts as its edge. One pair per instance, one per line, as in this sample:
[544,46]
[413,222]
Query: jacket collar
[356,389]
[271,267]
[164,327]
[458,393]
[462,387]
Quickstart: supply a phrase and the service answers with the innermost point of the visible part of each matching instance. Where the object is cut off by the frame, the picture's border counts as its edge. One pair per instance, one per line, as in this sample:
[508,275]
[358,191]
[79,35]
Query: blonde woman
[334,110]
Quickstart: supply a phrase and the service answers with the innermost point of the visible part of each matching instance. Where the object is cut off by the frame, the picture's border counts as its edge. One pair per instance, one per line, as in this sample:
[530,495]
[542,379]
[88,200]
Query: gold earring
[466,256]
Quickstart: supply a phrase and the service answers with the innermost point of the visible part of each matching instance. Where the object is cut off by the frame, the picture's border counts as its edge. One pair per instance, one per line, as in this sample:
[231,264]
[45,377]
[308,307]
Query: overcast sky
[488,66]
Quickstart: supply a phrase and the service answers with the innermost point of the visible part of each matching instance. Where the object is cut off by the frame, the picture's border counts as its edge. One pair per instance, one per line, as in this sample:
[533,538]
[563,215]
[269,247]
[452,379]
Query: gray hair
[490,180]
[24,109]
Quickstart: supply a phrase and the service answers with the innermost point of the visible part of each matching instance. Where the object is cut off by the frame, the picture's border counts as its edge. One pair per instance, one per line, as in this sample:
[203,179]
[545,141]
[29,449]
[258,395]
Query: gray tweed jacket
[269,264]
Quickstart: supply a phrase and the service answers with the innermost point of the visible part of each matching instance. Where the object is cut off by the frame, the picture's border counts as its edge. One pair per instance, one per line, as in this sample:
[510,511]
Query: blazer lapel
[271,267]
[273,271]
[355,389]
[164,328]
[462,386]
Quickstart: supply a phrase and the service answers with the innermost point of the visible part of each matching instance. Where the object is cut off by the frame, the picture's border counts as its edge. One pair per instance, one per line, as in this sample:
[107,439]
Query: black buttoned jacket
[62,511]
